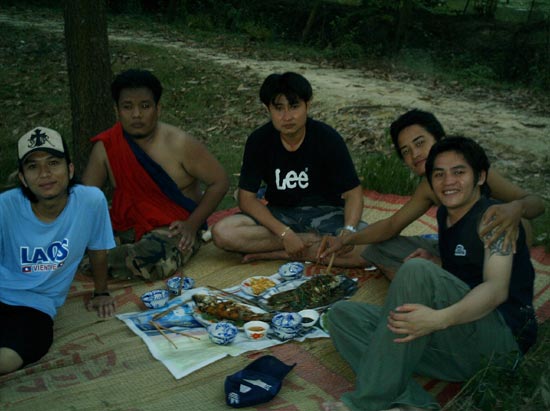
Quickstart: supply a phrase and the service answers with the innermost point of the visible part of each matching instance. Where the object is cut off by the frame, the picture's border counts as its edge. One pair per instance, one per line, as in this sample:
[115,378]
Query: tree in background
[90,74]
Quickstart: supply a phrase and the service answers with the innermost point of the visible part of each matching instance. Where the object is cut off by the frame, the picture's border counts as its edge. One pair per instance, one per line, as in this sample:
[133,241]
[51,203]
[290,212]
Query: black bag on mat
[258,382]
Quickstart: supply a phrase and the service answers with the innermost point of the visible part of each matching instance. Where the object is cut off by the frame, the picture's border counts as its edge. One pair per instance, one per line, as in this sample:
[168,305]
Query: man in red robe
[166,183]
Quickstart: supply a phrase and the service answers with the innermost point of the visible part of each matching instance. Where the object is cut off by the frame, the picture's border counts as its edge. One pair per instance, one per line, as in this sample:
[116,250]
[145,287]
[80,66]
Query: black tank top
[462,254]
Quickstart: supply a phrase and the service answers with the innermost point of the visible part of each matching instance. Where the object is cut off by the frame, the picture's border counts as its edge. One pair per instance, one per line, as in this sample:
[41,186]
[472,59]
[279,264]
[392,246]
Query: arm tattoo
[497,247]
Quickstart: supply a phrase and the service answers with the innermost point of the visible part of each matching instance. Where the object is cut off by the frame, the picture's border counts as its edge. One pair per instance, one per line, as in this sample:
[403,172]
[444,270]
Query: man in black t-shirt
[312,187]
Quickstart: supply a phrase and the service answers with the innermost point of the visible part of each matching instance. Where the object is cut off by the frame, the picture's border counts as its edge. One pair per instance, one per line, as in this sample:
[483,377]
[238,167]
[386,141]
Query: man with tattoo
[442,318]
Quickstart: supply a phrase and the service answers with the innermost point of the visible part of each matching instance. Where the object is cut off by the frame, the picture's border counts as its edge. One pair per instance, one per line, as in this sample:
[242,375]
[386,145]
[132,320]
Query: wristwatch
[350,228]
[101,294]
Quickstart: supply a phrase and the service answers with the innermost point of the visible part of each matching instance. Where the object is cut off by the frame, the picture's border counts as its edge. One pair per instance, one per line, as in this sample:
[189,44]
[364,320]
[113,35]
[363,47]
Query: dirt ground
[361,104]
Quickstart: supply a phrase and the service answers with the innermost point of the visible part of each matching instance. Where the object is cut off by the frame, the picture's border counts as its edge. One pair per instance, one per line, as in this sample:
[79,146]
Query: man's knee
[338,311]
[415,270]
[219,234]
[223,233]
[9,360]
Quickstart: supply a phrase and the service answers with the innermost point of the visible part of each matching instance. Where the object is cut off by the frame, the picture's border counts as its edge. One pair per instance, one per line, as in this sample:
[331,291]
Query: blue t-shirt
[38,260]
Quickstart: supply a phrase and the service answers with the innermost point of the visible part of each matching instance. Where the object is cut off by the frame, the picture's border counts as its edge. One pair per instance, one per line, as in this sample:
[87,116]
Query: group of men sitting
[452,302]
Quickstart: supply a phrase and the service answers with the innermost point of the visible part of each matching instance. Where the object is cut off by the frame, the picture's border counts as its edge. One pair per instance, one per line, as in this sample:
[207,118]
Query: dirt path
[361,104]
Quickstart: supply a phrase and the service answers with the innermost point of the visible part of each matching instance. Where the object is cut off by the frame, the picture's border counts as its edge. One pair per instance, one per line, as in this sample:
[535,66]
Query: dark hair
[292,85]
[72,181]
[472,152]
[422,118]
[135,78]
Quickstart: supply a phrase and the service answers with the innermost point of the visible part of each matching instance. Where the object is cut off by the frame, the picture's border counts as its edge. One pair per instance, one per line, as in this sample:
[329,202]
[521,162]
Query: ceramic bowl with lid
[222,333]
[291,271]
[155,298]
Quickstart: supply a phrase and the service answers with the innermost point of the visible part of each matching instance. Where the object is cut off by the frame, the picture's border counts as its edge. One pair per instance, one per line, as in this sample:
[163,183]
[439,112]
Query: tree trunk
[90,75]
[405,19]
[310,20]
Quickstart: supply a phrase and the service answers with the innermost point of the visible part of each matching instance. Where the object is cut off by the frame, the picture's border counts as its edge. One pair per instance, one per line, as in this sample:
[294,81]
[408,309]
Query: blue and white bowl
[155,298]
[222,333]
[287,320]
[173,284]
[286,325]
[291,271]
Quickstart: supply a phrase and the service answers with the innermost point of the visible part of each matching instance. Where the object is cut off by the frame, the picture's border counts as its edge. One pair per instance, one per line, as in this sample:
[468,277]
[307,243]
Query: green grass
[496,388]
[387,174]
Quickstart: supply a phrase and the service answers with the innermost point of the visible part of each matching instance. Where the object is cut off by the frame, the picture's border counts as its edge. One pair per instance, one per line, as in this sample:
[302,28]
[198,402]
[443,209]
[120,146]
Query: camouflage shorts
[155,256]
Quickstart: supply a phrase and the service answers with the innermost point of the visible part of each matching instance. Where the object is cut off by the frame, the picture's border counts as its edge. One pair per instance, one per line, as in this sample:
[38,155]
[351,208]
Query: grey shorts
[391,253]
[318,219]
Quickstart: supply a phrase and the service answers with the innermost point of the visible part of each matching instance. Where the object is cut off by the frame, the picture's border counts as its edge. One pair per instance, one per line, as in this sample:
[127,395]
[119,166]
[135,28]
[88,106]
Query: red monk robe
[138,202]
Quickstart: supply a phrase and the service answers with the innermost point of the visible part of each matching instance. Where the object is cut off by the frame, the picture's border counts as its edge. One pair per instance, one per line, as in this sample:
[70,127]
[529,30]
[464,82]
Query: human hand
[293,244]
[333,245]
[187,233]
[413,321]
[501,219]
[105,305]
[425,254]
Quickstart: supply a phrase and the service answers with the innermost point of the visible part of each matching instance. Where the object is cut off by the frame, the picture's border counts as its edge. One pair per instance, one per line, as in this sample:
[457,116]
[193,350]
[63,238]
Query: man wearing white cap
[46,226]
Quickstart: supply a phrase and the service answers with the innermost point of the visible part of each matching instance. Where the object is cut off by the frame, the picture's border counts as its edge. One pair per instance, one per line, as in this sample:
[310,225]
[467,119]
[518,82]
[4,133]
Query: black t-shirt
[315,174]
[462,254]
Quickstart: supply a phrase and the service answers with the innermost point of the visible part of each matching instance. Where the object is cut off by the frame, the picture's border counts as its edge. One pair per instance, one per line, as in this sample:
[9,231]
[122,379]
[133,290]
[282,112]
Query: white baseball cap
[43,139]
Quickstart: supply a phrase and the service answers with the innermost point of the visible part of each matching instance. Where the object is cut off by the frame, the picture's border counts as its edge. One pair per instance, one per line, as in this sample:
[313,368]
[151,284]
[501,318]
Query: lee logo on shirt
[44,259]
[291,180]
[460,251]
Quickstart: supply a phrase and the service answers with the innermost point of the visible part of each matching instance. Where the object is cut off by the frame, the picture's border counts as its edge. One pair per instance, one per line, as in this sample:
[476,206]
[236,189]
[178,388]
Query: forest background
[482,66]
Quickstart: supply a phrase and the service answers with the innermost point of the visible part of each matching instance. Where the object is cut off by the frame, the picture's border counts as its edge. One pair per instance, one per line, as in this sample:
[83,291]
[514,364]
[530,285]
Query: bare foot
[335,406]
[269,255]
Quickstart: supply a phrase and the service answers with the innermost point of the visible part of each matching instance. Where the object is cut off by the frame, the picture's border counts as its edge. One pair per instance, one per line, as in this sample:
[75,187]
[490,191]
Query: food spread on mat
[257,285]
[319,291]
[315,292]
[223,308]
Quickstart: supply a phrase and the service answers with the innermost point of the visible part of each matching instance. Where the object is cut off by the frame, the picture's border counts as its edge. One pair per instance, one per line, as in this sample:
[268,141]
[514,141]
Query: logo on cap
[41,138]
[38,139]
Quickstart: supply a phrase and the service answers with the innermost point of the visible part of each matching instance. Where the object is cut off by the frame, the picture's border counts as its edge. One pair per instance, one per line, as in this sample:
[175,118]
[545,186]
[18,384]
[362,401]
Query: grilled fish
[321,290]
[223,308]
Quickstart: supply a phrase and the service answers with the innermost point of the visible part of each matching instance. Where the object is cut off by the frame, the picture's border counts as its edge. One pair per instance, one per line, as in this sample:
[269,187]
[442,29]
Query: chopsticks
[321,247]
[160,329]
[163,313]
[331,261]
[181,282]
[178,332]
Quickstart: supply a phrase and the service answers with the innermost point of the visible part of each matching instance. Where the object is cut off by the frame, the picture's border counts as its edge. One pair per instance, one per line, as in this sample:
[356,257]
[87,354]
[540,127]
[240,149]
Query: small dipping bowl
[286,325]
[155,298]
[309,318]
[256,330]
[173,284]
[291,271]
[222,333]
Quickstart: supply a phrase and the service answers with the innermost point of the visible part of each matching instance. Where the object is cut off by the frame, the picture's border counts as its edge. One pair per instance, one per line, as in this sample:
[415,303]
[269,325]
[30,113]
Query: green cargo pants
[384,369]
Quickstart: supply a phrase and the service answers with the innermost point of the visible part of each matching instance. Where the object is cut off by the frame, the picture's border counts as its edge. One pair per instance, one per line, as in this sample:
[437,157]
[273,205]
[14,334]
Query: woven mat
[102,365]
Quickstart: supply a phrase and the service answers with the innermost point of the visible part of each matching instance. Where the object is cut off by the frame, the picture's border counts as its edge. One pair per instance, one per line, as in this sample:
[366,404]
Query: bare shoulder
[177,140]
[97,169]
[424,193]
[98,150]
[497,246]
[173,134]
